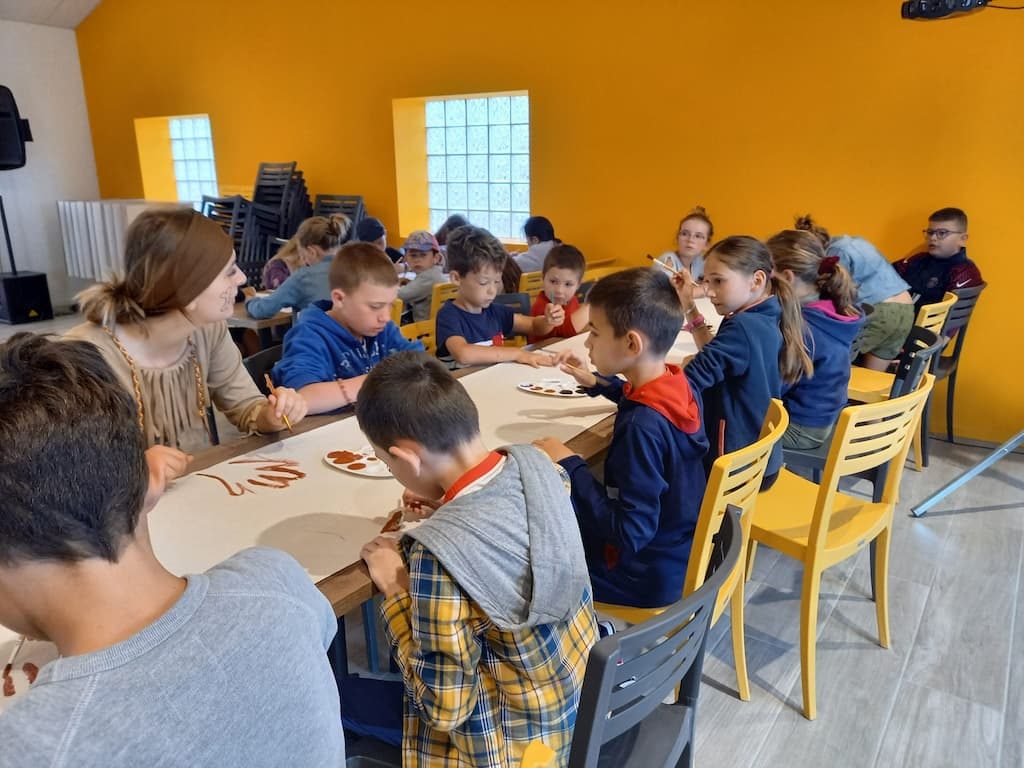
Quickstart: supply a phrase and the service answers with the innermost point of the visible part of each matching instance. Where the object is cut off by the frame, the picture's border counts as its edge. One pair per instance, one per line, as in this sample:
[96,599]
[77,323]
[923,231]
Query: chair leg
[921,449]
[881,572]
[751,551]
[809,638]
[950,391]
[739,646]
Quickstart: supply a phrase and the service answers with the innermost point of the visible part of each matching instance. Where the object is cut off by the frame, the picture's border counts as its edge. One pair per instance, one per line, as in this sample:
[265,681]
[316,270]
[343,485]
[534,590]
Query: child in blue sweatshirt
[335,344]
[759,345]
[827,296]
[638,527]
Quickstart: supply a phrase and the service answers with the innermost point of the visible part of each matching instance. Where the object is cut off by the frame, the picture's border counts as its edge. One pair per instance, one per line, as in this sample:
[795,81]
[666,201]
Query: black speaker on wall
[14,132]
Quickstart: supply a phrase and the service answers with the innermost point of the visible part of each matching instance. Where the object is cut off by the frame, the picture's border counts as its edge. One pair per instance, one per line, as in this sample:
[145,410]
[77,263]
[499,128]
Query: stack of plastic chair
[350,205]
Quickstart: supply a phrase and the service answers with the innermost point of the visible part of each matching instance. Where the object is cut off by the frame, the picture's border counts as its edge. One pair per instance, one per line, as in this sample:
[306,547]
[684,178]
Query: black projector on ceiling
[939,9]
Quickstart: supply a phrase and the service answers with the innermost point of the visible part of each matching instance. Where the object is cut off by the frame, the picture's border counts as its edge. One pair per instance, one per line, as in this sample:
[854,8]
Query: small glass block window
[478,161]
[195,171]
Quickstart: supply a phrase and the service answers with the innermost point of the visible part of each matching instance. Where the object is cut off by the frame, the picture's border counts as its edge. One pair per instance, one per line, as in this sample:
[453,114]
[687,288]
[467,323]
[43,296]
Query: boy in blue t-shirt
[638,527]
[471,329]
[335,344]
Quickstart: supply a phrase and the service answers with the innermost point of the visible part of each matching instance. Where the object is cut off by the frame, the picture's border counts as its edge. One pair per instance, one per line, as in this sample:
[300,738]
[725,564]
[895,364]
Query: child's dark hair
[358,263]
[472,248]
[748,255]
[807,224]
[802,253]
[73,472]
[955,215]
[453,222]
[539,227]
[643,300]
[565,256]
[698,214]
[413,396]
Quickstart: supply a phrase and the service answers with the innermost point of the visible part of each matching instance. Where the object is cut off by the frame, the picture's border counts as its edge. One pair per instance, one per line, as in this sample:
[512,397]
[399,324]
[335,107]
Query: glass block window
[192,150]
[478,161]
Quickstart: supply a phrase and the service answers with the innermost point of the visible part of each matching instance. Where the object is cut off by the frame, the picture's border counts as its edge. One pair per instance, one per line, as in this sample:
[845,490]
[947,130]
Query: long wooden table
[263,326]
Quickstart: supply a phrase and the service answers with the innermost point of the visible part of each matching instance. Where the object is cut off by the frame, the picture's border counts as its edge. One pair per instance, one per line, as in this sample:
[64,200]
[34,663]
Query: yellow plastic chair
[596,274]
[441,293]
[397,307]
[735,480]
[538,755]
[867,386]
[820,526]
[422,332]
[531,283]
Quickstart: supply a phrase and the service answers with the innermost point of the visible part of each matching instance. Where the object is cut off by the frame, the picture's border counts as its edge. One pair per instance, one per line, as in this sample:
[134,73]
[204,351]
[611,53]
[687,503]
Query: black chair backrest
[259,364]
[920,348]
[350,205]
[519,302]
[630,673]
[958,319]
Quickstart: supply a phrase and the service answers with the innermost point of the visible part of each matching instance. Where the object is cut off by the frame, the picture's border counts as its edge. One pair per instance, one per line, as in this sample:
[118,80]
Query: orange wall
[757,110]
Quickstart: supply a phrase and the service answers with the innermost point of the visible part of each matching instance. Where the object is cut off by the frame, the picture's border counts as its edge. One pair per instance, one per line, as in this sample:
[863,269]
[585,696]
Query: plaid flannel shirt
[476,695]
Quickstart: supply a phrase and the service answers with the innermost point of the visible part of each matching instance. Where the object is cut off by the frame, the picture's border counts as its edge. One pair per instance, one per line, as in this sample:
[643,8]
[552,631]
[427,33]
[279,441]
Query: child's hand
[554,314]
[554,448]
[419,506]
[284,401]
[575,367]
[248,291]
[386,566]
[535,359]
[165,464]
[682,281]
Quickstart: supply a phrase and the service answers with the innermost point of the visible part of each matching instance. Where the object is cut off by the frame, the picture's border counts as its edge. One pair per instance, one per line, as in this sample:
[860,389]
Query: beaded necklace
[137,386]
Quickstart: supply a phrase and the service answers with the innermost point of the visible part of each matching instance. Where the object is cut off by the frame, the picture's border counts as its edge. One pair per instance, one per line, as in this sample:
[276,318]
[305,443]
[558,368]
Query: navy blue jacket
[637,528]
[319,349]
[737,375]
[816,401]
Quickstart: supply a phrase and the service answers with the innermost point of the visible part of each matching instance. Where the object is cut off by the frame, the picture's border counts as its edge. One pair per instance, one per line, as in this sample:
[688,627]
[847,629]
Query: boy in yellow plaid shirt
[487,601]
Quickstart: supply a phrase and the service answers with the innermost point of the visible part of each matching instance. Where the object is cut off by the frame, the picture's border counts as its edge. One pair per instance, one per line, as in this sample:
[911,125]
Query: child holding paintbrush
[563,271]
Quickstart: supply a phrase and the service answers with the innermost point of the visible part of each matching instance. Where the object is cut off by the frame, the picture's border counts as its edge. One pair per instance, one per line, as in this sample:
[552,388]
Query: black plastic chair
[519,302]
[261,363]
[621,720]
[945,366]
[350,205]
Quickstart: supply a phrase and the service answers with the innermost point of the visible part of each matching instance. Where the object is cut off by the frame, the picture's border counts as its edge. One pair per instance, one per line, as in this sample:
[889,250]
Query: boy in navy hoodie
[335,344]
[638,527]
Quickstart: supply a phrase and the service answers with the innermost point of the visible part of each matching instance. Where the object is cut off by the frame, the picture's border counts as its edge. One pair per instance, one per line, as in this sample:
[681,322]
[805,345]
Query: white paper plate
[553,388]
[357,463]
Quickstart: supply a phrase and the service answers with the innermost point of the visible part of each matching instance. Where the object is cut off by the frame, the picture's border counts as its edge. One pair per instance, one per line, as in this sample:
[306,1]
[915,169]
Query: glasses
[941,234]
[694,235]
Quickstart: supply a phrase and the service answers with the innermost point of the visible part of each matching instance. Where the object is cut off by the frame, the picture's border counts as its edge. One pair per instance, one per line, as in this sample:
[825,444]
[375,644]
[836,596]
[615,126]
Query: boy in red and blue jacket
[638,526]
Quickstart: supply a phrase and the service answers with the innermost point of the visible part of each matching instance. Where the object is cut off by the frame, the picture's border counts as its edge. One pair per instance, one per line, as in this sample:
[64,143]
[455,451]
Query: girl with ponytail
[827,296]
[162,330]
[316,237]
[759,345]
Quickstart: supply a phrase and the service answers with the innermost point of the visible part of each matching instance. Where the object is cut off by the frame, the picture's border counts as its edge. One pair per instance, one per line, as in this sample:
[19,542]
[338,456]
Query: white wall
[40,65]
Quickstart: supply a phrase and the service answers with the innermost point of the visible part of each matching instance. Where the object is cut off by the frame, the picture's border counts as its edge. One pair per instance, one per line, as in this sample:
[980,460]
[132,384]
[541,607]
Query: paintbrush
[673,270]
[14,654]
[270,386]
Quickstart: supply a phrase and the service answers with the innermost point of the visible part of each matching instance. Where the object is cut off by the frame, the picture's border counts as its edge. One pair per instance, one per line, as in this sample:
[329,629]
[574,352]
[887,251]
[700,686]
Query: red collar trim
[671,396]
[471,476]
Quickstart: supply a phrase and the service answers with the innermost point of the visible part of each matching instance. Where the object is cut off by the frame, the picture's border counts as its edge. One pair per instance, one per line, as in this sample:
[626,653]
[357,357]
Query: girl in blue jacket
[758,347]
[827,296]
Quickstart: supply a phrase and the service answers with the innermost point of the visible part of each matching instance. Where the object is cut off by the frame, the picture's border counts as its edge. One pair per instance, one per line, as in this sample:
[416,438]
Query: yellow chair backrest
[932,317]
[442,292]
[422,332]
[598,273]
[531,283]
[396,311]
[538,755]
[735,479]
[865,437]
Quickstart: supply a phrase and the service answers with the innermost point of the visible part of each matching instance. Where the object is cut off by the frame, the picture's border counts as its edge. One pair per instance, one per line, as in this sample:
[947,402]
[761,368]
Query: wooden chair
[594,274]
[422,332]
[734,481]
[622,719]
[820,526]
[442,292]
[531,283]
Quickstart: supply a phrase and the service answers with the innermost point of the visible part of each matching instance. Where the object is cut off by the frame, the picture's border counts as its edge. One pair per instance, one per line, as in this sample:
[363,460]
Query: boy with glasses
[945,266]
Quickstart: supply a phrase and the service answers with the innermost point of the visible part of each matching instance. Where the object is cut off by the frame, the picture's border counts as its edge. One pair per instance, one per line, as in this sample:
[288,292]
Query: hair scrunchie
[828,265]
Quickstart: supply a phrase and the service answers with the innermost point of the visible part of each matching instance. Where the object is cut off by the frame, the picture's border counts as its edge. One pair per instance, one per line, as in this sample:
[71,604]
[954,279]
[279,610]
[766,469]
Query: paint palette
[358,463]
[553,388]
